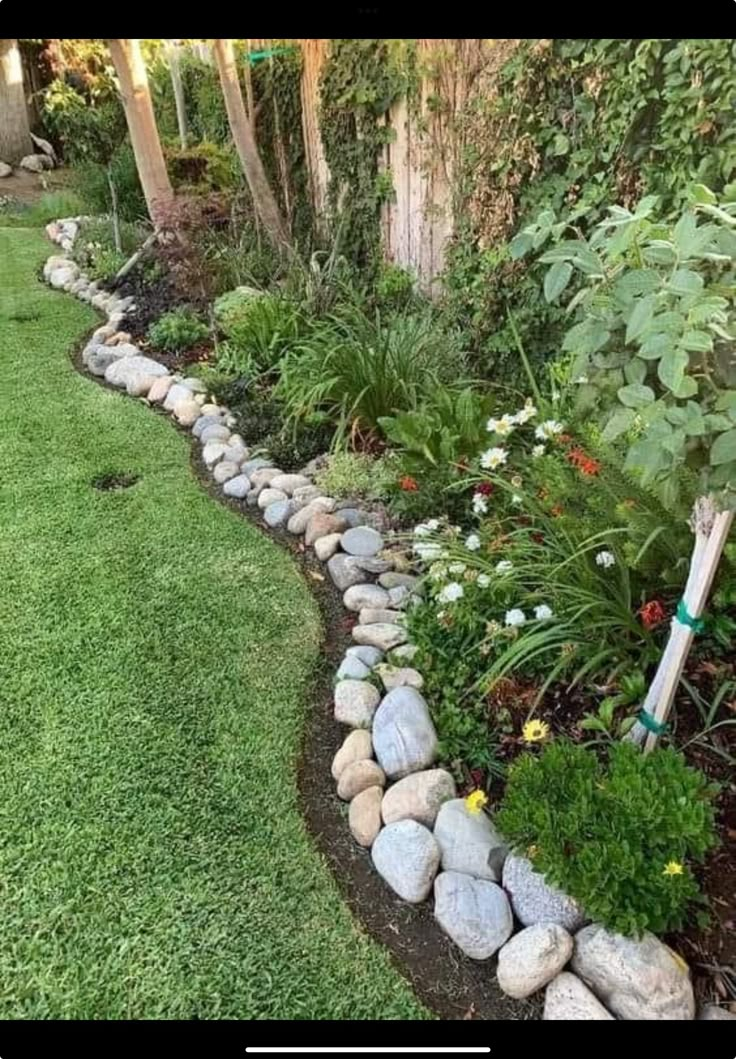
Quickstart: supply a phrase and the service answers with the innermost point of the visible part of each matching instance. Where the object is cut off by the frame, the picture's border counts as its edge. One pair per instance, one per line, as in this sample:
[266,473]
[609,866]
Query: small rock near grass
[187,412]
[212,452]
[323,524]
[357,777]
[269,496]
[159,389]
[383,635]
[636,978]
[263,477]
[476,914]
[397,677]
[357,746]
[370,655]
[289,483]
[418,797]
[277,514]
[358,597]
[224,471]
[237,487]
[214,432]
[534,900]
[532,958]
[364,816]
[404,737]
[355,703]
[467,840]
[343,572]
[203,422]
[301,518]
[567,999]
[351,668]
[406,857]
[380,616]
[325,547]
[178,392]
[362,541]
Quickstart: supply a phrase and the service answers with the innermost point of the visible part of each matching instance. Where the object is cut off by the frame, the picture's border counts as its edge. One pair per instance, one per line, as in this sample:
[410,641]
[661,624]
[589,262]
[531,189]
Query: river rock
[476,914]
[362,540]
[406,856]
[187,412]
[355,703]
[357,777]
[343,572]
[212,452]
[214,432]
[404,737]
[301,518]
[325,547]
[405,652]
[364,816]
[467,840]
[279,513]
[397,677]
[263,477]
[177,392]
[394,579]
[380,616]
[224,471]
[567,999]
[237,487]
[370,655]
[205,421]
[304,495]
[5,170]
[159,389]
[358,597]
[129,371]
[357,746]
[256,464]
[534,901]
[288,483]
[382,635]
[418,797]
[636,978]
[269,496]
[532,958]
[323,524]
[351,668]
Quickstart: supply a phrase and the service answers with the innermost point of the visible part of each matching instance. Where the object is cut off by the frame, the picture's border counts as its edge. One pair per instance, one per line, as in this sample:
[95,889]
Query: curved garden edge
[411,933]
[450,984]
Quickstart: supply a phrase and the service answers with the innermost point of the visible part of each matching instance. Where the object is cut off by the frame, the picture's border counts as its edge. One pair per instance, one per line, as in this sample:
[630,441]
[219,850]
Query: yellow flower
[532,852]
[475,801]
[535,731]
[673,867]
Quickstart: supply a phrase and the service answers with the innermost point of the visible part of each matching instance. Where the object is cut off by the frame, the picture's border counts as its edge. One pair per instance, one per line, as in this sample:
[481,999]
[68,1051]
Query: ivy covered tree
[653,348]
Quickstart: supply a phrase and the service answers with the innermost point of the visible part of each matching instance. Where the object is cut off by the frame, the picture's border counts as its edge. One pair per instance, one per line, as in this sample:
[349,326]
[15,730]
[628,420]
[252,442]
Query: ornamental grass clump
[619,834]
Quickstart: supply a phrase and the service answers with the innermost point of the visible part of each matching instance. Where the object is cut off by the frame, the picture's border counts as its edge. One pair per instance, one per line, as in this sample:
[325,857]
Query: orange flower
[408,484]
[557,510]
[584,463]
[652,614]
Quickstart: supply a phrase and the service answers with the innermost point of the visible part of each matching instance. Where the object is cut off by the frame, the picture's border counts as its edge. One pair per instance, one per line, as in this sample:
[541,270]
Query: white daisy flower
[516,499]
[543,612]
[438,571]
[537,451]
[502,426]
[457,568]
[480,504]
[504,567]
[515,617]
[483,581]
[493,458]
[548,429]
[526,413]
[605,559]
[452,592]
[472,542]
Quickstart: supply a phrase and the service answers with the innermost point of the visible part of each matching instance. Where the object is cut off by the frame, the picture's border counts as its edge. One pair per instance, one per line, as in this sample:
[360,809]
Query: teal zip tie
[684,618]
[650,723]
[256,56]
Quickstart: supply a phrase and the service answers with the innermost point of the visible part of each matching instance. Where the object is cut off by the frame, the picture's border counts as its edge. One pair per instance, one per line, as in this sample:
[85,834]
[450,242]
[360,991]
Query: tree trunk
[149,158]
[264,199]
[711,529]
[172,51]
[15,134]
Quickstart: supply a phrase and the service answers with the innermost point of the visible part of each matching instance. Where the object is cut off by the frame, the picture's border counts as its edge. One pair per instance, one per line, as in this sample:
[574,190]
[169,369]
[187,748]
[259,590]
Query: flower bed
[424,839]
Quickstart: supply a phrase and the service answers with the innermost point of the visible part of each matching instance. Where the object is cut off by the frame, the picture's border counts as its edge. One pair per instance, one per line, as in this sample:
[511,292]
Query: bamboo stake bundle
[711,528]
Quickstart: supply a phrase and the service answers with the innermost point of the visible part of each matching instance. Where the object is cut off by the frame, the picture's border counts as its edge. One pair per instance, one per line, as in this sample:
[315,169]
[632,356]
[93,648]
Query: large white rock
[359,776]
[567,999]
[178,392]
[404,737]
[534,901]
[467,841]
[357,746]
[406,856]
[383,635]
[356,702]
[132,372]
[532,958]
[300,519]
[358,597]
[289,483]
[418,797]
[212,452]
[476,914]
[635,978]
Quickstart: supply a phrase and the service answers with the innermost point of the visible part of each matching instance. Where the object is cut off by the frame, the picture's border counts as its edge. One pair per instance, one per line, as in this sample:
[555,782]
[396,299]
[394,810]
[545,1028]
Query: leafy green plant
[619,834]
[357,474]
[449,427]
[203,167]
[94,248]
[359,368]
[633,687]
[260,331]
[395,288]
[178,330]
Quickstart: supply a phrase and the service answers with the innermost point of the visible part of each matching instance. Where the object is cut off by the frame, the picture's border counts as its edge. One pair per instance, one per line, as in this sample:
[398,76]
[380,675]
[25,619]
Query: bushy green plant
[260,330]
[90,180]
[356,474]
[448,428]
[94,248]
[395,288]
[359,368]
[203,167]
[618,834]
[178,330]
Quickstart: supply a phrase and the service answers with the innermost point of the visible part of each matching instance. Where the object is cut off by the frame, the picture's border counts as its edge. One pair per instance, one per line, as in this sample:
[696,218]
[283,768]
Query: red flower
[584,463]
[408,484]
[485,488]
[652,614]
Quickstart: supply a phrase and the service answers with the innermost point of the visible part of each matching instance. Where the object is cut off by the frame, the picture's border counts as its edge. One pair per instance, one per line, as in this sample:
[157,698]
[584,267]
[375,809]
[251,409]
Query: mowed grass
[156,657]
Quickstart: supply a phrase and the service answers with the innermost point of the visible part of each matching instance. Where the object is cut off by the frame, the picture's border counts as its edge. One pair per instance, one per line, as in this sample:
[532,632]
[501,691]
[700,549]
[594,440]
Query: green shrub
[90,181]
[203,167]
[260,330]
[395,288]
[94,248]
[178,330]
[359,368]
[356,474]
[619,836]
[233,307]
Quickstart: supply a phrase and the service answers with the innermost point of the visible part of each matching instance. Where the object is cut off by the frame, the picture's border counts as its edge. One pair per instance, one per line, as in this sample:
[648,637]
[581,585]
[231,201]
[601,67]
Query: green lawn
[156,656]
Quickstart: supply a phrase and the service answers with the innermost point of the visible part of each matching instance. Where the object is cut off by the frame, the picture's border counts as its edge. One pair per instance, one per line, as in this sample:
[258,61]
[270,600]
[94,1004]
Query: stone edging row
[422,837]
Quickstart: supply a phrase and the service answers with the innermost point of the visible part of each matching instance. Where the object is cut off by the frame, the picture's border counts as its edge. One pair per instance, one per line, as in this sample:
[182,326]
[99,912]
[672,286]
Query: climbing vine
[572,125]
[361,80]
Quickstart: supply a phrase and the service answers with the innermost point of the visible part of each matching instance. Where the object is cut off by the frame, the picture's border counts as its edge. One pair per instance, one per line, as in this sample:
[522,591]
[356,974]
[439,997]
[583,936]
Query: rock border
[422,839]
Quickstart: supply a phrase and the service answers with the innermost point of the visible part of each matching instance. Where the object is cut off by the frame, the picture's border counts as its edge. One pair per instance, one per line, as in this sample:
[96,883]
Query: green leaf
[635,371]
[687,388]
[635,395]
[520,245]
[697,342]
[556,280]
[685,232]
[702,195]
[723,449]
[618,424]
[654,346]
[685,281]
[671,368]
[561,144]
[641,317]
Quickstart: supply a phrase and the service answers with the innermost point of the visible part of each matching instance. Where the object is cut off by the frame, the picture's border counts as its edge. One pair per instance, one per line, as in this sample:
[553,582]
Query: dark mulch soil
[119,480]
